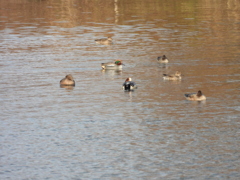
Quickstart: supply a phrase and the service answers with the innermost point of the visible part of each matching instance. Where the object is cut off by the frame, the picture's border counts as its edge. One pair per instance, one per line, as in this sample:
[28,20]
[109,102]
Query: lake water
[95,130]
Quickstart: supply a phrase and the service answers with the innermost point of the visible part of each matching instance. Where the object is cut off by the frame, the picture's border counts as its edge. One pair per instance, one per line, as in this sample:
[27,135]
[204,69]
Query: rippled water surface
[95,130]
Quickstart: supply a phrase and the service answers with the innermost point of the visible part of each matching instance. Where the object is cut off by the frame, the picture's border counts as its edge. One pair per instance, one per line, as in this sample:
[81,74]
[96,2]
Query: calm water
[97,131]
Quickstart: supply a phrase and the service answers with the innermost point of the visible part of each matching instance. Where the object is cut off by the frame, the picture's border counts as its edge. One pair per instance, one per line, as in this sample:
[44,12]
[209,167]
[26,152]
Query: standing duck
[176,76]
[67,81]
[195,96]
[117,65]
[162,59]
[129,85]
[104,41]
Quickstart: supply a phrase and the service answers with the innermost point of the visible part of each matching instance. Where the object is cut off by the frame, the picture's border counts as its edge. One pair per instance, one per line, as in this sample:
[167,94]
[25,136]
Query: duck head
[178,73]
[128,79]
[164,57]
[69,77]
[118,62]
[199,93]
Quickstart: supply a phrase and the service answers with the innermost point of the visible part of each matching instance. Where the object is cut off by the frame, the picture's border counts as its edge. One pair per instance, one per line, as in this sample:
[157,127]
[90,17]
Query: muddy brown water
[95,130]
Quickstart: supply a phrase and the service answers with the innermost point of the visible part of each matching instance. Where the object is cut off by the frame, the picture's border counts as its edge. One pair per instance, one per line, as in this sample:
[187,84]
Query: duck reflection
[116,11]
[129,95]
[172,82]
[163,65]
[199,106]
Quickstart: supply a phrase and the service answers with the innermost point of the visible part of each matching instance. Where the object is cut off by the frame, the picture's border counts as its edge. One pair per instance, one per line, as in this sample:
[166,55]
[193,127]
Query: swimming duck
[162,59]
[176,76]
[196,96]
[129,85]
[104,41]
[67,81]
[117,65]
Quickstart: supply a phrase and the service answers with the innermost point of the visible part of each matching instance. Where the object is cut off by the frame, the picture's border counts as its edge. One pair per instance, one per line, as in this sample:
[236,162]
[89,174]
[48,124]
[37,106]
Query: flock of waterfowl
[129,85]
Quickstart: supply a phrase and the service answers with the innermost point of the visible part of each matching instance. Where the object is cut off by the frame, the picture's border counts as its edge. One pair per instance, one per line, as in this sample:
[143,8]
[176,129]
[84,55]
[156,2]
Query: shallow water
[95,130]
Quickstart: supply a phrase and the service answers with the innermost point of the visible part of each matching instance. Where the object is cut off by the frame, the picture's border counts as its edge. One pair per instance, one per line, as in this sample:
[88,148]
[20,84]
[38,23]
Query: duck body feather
[104,41]
[112,66]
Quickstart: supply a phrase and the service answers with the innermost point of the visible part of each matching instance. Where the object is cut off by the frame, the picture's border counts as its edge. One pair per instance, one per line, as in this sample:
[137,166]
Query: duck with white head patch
[129,85]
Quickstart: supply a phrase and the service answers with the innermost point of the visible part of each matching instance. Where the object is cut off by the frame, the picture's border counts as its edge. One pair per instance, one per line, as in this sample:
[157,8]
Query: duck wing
[169,75]
[190,95]
[110,65]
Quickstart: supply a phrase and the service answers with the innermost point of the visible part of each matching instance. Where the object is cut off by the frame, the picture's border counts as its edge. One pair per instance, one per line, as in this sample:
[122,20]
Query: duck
[67,81]
[104,41]
[176,76]
[195,96]
[129,85]
[162,59]
[117,65]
